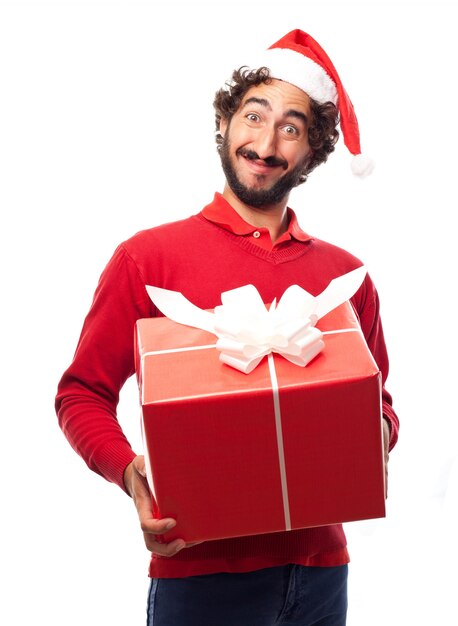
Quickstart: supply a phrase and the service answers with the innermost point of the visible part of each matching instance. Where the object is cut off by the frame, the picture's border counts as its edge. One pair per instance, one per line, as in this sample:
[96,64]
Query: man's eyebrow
[298,115]
[265,103]
[262,101]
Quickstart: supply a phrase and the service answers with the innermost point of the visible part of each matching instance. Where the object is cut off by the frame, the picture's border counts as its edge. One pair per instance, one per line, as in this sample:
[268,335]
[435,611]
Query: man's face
[265,146]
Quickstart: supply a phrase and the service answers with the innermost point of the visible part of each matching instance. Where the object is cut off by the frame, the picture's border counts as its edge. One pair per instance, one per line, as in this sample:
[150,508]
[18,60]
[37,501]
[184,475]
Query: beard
[259,198]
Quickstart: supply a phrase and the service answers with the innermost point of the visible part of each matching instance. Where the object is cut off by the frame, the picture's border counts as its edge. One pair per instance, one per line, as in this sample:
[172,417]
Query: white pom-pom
[362,165]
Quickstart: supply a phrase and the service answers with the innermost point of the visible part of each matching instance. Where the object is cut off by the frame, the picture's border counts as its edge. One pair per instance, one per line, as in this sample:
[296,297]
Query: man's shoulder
[165,228]
[168,232]
[335,251]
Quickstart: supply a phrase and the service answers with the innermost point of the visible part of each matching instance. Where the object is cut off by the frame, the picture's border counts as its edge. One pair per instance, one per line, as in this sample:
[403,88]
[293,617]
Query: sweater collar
[221,212]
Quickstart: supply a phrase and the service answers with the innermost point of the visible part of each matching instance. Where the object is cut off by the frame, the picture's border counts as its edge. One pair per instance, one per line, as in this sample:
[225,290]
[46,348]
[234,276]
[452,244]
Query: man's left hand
[386,445]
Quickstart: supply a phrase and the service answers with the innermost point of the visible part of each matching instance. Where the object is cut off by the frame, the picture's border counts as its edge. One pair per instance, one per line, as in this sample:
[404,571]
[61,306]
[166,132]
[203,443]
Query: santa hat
[298,59]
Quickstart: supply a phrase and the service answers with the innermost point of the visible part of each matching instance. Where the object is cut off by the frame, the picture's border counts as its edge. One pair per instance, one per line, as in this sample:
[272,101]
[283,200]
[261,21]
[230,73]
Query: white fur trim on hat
[297,69]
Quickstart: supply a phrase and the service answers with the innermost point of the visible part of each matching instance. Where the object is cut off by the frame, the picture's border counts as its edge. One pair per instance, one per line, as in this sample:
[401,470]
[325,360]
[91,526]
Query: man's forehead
[276,94]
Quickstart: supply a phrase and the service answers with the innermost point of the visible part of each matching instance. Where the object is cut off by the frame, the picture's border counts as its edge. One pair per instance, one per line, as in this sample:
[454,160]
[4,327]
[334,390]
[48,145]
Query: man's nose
[265,143]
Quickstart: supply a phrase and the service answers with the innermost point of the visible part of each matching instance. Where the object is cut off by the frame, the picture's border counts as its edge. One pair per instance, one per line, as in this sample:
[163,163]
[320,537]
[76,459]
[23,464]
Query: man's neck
[274,218]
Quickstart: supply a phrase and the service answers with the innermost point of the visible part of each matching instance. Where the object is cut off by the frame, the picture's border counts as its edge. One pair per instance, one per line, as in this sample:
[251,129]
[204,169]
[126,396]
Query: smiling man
[265,147]
[275,123]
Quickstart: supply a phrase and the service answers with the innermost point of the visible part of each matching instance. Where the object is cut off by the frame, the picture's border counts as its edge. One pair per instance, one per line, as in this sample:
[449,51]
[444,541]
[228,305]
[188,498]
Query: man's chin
[258,191]
[259,198]
[257,186]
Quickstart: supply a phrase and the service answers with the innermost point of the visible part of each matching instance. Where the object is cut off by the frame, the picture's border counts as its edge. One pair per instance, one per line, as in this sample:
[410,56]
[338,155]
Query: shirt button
[256,234]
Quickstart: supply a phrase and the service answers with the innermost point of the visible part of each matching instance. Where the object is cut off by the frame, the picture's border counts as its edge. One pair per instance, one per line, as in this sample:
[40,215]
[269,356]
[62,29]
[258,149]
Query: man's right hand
[137,487]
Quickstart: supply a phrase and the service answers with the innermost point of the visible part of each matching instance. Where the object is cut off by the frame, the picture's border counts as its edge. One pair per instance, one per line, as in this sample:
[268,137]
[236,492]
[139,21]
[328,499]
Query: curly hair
[322,132]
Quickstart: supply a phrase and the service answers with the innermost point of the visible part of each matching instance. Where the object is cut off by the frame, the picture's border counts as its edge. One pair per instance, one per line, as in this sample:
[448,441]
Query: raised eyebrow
[253,100]
[298,115]
[265,103]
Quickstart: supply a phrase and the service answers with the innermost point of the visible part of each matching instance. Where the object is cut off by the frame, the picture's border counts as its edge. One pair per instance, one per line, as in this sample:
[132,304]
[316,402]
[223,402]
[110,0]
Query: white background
[106,125]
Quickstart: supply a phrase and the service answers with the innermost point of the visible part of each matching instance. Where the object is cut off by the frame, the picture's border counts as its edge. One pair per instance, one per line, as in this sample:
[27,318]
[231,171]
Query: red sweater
[201,256]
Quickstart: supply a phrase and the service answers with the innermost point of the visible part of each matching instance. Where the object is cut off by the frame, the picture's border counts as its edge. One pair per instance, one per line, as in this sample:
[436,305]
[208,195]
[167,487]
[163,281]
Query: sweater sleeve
[88,392]
[367,304]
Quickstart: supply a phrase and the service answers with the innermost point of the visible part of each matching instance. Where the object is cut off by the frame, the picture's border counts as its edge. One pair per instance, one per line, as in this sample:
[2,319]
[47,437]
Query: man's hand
[386,445]
[137,487]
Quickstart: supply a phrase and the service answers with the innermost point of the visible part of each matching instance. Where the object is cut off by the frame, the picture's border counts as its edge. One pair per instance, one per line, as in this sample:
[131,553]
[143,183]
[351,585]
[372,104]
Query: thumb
[139,465]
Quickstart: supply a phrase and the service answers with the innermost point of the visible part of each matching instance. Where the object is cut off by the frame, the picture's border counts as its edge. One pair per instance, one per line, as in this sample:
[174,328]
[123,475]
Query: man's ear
[223,126]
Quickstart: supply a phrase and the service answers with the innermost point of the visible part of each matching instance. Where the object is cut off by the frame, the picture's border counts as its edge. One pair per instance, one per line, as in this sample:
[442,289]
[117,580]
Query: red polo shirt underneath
[221,212]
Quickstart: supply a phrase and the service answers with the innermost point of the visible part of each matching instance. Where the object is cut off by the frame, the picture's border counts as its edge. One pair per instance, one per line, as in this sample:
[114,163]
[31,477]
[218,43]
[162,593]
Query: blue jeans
[290,595]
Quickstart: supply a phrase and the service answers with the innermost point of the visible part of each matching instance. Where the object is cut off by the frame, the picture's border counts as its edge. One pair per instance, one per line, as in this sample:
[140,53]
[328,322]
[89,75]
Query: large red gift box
[284,447]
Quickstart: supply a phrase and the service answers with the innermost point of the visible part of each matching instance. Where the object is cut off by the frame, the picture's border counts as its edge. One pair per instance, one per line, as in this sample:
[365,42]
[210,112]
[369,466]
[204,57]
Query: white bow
[247,331]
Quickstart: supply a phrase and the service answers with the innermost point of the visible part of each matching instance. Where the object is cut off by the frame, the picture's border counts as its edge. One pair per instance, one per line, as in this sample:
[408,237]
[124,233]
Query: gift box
[285,447]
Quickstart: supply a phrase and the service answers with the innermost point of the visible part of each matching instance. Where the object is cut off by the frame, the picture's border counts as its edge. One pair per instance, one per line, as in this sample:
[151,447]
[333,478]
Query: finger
[154,526]
[164,549]
[143,503]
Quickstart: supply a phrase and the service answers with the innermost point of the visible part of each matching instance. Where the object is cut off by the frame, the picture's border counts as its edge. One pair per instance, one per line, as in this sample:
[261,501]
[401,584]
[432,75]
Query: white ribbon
[280,447]
[247,331]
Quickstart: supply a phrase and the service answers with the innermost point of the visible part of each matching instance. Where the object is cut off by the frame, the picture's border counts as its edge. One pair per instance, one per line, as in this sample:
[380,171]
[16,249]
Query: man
[274,126]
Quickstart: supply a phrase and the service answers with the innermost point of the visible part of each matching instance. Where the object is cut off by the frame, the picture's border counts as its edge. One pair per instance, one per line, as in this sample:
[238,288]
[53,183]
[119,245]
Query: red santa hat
[298,59]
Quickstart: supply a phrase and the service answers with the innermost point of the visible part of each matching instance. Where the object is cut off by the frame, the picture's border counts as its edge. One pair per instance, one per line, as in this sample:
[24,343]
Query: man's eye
[253,117]
[291,130]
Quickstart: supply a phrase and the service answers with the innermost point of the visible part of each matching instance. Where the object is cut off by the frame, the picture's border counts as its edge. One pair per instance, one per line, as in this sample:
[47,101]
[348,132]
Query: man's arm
[89,390]
[367,306]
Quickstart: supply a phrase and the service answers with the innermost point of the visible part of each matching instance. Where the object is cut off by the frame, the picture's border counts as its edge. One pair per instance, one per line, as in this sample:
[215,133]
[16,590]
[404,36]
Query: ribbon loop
[247,331]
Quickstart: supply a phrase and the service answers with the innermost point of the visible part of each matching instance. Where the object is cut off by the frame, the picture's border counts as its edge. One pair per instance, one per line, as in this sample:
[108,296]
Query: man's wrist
[127,478]
[387,422]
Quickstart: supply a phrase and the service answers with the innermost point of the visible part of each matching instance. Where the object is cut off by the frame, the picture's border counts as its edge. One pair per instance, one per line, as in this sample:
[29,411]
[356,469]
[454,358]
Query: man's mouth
[269,162]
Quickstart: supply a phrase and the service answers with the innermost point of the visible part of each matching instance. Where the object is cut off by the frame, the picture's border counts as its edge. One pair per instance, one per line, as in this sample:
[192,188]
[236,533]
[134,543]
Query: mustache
[270,161]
